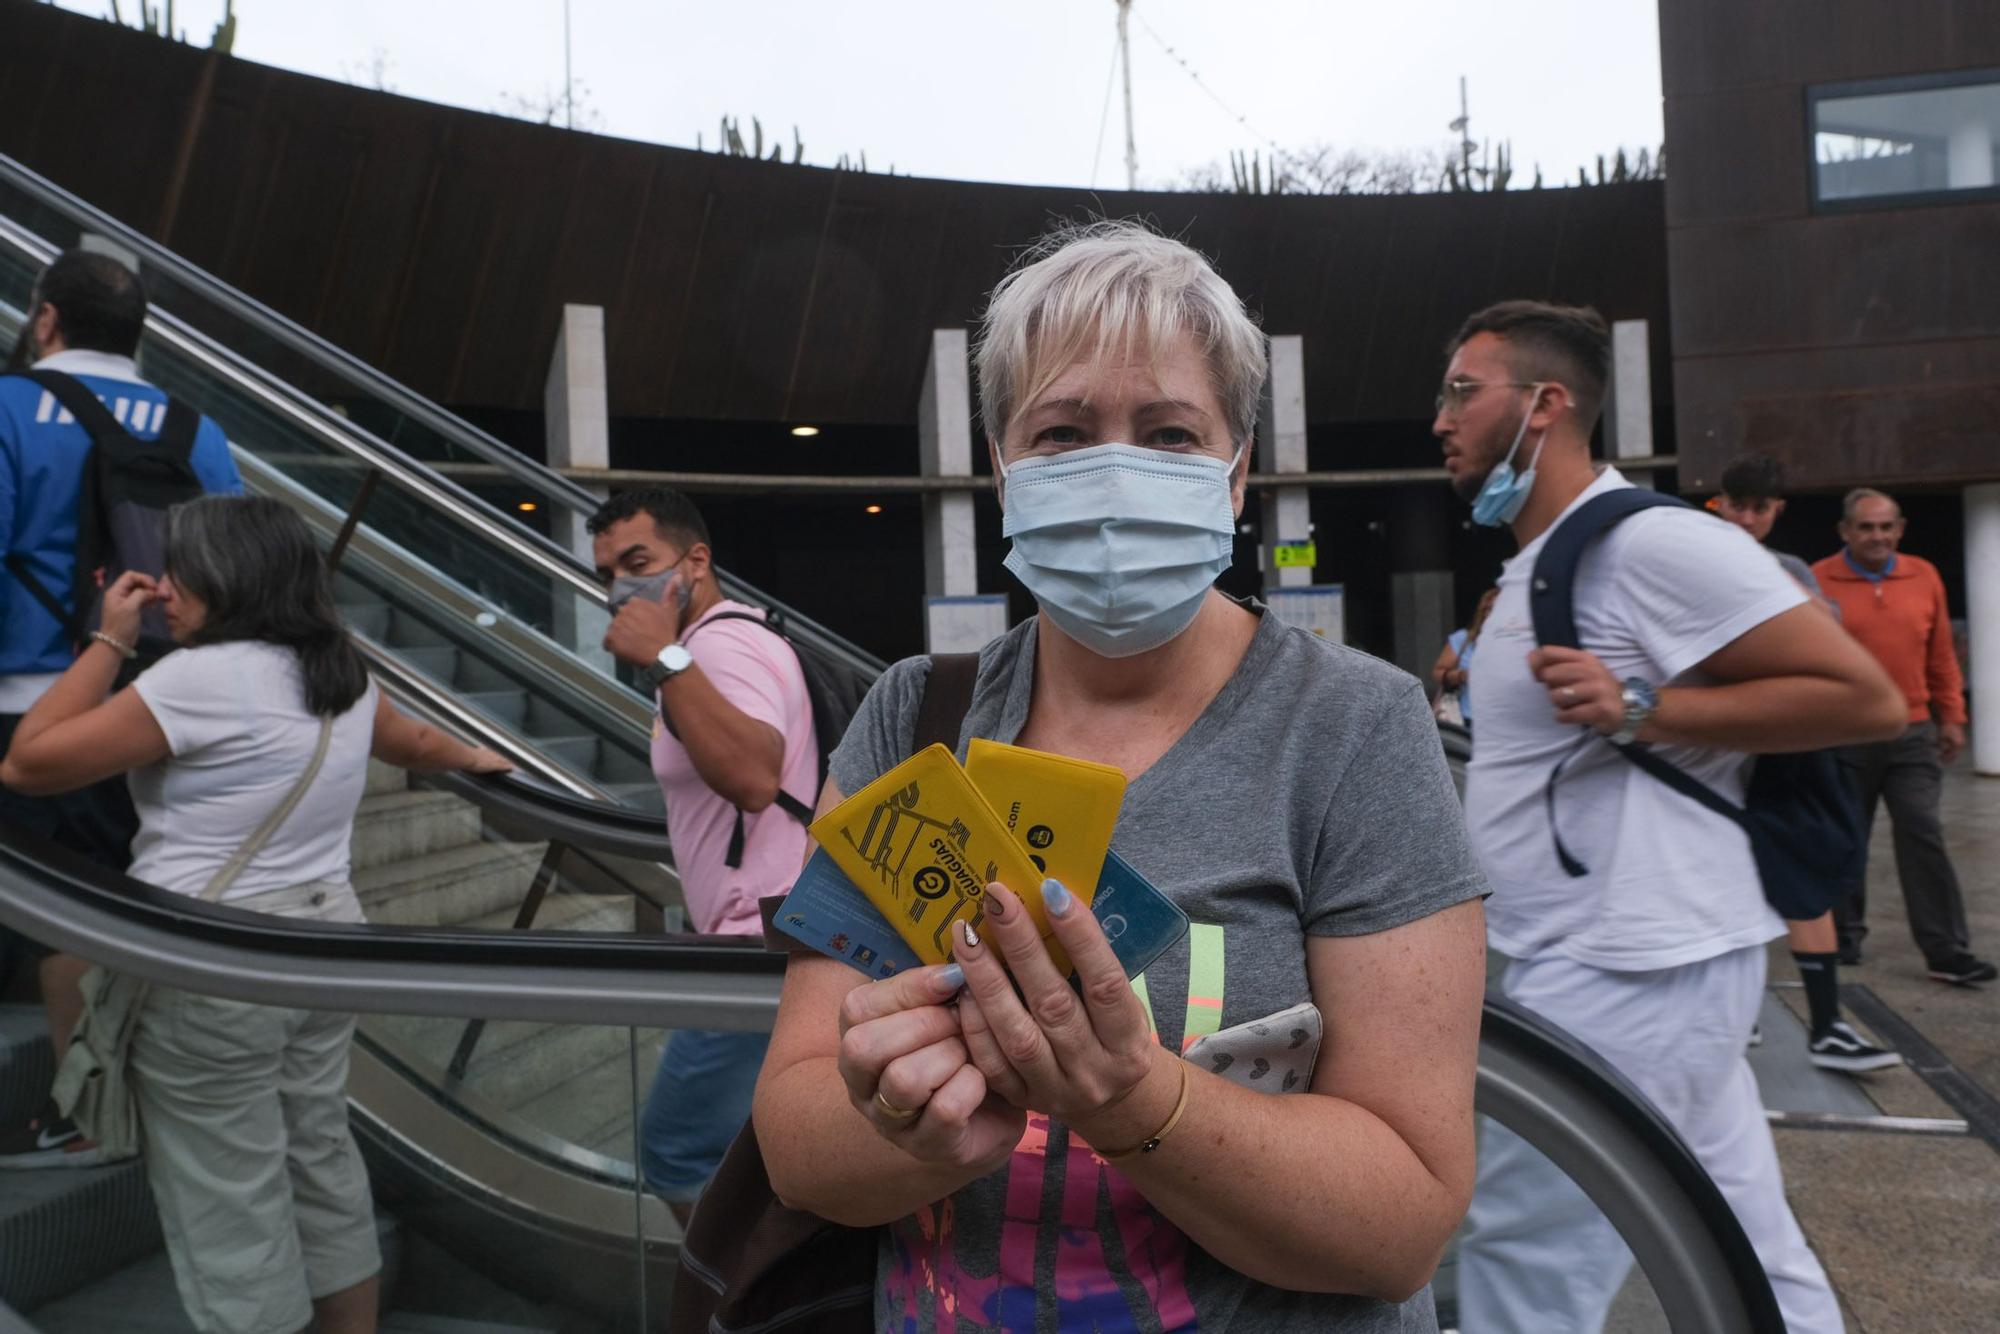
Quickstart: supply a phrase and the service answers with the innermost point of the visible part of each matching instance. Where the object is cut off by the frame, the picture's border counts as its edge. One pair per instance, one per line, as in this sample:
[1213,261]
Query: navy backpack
[1805,826]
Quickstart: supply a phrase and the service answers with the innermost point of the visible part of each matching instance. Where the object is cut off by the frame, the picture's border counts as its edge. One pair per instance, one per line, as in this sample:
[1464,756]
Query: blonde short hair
[1088,289]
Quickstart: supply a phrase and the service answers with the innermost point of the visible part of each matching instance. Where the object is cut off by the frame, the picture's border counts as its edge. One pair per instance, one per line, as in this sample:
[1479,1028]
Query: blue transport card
[829,912]
[1138,920]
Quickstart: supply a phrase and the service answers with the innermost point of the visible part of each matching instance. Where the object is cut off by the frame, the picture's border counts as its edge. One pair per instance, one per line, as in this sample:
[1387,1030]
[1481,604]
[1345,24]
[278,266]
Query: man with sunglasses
[1648,941]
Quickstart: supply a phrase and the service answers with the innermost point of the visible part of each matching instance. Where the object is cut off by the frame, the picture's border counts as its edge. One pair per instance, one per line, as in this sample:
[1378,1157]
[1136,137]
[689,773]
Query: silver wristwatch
[673,660]
[1642,701]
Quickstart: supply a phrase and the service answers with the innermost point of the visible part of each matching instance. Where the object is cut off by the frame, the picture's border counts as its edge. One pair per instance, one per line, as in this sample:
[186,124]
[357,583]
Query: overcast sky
[1009,90]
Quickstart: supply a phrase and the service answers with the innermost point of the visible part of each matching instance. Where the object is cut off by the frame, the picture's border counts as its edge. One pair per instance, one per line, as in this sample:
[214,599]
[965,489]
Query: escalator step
[397,826]
[443,888]
[410,1322]
[384,778]
[368,618]
[141,1298]
[508,706]
[408,631]
[27,1063]
[62,1230]
[578,754]
[440,662]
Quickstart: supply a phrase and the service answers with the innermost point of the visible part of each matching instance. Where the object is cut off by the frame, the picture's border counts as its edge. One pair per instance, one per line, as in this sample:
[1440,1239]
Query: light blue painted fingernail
[950,978]
[1057,898]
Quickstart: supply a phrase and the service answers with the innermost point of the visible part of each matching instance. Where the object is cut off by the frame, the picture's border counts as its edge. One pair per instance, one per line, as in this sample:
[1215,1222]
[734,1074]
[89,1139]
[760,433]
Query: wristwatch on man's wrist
[1642,701]
[673,660]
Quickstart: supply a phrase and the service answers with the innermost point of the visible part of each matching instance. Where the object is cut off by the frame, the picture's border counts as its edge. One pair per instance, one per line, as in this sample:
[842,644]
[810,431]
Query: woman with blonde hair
[1043,1157]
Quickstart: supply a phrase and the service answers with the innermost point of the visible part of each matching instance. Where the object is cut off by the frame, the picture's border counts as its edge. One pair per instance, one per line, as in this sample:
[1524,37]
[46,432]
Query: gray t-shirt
[1311,797]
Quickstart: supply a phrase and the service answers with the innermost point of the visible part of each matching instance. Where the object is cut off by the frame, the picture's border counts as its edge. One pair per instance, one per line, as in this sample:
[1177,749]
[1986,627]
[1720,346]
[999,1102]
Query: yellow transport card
[922,844]
[1062,810]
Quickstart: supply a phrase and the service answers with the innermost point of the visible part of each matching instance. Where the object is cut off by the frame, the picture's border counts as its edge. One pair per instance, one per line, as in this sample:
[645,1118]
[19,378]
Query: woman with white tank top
[263,1196]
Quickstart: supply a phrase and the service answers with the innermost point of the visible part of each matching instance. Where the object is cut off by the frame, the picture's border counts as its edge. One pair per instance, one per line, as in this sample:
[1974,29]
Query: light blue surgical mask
[1506,491]
[1120,544]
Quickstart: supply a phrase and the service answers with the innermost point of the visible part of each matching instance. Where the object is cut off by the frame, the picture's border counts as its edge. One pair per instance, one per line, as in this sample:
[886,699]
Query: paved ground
[1909,1227]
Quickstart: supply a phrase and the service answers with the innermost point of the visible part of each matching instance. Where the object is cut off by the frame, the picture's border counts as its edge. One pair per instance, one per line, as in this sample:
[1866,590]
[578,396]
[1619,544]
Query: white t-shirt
[1670,882]
[235,719]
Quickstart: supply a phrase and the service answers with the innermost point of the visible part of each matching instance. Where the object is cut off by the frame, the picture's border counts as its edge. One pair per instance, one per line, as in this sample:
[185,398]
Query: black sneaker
[1850,954]
[50,1140]
[1841,1048]
[1964,970]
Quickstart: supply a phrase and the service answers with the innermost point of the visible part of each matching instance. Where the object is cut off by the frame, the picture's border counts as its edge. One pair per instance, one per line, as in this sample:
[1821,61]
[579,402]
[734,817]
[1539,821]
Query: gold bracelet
[1152,1141]
[118,646]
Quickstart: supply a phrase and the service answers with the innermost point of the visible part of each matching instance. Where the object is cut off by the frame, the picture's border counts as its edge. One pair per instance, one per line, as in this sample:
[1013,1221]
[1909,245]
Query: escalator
[512,1215]
[525,957]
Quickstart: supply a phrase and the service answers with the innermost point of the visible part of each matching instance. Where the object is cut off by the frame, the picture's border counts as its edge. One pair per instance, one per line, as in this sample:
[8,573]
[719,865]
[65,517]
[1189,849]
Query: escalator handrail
[562,817]
[489,448]
[650,981]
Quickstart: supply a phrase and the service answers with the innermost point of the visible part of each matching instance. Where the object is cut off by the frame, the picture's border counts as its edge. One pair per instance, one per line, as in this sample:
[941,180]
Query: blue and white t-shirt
[42,452]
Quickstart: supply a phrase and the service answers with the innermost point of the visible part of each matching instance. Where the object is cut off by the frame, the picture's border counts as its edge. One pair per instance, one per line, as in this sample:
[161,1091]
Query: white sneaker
[1841,1048]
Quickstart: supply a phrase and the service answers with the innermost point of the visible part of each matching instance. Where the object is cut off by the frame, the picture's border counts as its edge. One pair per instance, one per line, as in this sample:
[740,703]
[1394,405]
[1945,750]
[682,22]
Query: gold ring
[892,1111]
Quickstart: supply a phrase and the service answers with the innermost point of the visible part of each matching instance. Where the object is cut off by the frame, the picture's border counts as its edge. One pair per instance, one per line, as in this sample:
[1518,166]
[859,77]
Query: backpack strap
[1552,587]
[79,402]
[180,428]
[1552,603]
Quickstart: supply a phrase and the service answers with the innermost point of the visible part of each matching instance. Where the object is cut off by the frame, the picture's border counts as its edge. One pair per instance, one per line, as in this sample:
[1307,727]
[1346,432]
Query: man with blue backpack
[1639,654]
[91,457]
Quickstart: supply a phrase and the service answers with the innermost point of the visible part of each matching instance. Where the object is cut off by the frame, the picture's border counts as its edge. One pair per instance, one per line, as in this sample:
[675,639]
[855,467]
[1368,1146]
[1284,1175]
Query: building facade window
[1927,139]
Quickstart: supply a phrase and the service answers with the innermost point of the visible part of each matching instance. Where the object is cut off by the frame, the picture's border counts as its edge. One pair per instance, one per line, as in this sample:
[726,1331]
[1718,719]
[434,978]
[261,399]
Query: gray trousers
[1906,773]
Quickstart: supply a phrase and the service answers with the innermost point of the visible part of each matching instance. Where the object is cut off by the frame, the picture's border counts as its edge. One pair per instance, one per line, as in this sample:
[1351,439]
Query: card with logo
[922,844]
[1062,810]
[828,912]
[1138,920]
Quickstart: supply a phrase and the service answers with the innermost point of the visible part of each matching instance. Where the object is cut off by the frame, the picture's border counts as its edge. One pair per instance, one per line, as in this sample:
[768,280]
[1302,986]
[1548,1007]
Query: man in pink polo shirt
[737,763]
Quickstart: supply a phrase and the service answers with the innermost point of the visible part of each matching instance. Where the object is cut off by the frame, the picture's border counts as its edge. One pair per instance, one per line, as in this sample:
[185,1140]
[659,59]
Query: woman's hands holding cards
[907,1070]
[1078,1057]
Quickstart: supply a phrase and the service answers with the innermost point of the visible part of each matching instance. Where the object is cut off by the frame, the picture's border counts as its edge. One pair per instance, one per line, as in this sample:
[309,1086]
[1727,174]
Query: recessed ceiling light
[805,430]
[873,509]
[527,507]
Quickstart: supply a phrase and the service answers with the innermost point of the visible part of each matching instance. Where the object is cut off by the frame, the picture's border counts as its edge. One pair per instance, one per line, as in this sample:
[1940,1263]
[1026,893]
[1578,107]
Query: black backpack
[121,514]
[835,692]
[1805,826]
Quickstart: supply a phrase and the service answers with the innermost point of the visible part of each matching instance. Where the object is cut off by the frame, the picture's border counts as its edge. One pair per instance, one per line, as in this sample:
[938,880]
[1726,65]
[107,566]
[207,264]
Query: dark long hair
[252,563]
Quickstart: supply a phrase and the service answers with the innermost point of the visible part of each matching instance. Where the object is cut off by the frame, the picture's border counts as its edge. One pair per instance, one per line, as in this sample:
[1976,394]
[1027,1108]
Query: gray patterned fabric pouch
[1274,1054]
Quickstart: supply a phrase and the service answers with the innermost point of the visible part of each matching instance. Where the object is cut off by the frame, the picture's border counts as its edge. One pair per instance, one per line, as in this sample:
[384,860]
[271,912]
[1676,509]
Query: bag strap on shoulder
[261,835]
[1552,603]
[1552,585]
[79,402]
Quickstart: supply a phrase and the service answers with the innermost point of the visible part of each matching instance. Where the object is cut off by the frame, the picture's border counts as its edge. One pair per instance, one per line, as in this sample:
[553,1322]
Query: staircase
[80,1249]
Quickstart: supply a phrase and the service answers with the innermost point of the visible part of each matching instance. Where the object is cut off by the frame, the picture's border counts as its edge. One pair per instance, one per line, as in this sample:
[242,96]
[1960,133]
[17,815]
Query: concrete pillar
[577,420]
[1421,581]
[1968,163]
[1628,411]
[957,618]
[1982,615]
[1281,448]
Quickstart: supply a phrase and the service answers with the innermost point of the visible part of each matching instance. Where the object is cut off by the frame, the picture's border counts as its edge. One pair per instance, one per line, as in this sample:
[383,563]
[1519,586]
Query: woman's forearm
[77,691]
[1360,1214]
[824,1159]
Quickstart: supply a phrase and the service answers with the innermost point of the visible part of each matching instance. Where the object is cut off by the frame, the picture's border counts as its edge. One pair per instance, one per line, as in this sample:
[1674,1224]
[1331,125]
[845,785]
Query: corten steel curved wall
[1859,346]
[440,244]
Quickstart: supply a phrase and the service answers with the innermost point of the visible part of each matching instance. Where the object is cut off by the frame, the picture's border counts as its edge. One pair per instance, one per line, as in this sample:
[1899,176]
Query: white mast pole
[1125,60]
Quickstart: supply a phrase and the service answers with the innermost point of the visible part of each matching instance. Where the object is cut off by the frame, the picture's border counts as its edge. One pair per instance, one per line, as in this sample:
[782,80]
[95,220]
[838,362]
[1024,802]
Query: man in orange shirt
[1894,604]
